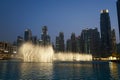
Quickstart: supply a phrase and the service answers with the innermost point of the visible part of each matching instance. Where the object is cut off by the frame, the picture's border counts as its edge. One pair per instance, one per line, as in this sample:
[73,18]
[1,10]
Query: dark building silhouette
[60,46]
[61,40]
[118,48]
[78,44]
[45,38]
[105,27]
[27,35]
[57,44]
[68,45]
[82,41]
[118,13]
[85,48]
[114,47]
[6,48]
[34,39]
[19,41]
[73,43]
[90,42]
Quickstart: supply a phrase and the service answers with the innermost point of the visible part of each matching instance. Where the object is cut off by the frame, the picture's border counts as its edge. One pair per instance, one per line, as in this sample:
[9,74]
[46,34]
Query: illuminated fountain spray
[72,57]
[34,53]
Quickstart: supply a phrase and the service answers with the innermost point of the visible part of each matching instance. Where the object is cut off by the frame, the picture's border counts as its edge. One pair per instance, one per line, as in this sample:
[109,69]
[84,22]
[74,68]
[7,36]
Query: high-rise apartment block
[105,27]
[60,46]
[118,13]
[20,40]
[90,42]
[27,35]
[45,38]
[114,47]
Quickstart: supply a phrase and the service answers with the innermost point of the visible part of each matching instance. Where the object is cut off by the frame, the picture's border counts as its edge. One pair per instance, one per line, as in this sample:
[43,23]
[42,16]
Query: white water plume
[72,57]
[35,53]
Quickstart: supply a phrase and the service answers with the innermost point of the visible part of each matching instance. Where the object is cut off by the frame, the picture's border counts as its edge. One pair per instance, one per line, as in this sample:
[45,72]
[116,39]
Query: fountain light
[35,53]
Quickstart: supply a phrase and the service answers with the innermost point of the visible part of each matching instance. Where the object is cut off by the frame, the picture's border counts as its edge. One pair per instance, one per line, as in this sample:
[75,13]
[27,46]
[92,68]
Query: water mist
[35,53]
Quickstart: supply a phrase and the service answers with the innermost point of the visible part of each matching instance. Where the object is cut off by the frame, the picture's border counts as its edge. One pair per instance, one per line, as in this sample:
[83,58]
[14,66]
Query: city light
[105,11]
[6,51]
[112,58]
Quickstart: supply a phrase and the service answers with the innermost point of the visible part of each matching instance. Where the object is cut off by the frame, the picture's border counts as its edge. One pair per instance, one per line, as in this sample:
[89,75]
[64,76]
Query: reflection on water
[36,70]
[12,70]
[79,71]
[9,70]
[101,70]
[114,70]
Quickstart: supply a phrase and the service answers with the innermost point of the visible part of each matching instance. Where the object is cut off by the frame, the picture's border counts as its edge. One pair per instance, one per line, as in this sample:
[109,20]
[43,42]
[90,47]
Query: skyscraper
[105,27]
[90,42]
[57,44]
[118,13]
[85,41]
[45,38]
[114,47]
[68,45]
[78,44]
[61,39]
[73,43]
[34,39]
[19,41]
[60,46]
[28,35]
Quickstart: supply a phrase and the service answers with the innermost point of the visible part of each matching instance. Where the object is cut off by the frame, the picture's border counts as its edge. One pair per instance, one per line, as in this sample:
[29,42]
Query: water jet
[29,52]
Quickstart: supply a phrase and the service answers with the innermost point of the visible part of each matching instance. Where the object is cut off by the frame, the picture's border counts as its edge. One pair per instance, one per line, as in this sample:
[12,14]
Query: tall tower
[90,40]
[118,13]
[73,43]
[45,38]
[19,41]
[28,35]
[114,48]
[105,27]
[61,38]
[68,45]
[60,42]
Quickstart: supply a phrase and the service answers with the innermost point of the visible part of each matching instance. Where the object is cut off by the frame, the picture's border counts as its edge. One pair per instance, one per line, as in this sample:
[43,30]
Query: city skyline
[59,16]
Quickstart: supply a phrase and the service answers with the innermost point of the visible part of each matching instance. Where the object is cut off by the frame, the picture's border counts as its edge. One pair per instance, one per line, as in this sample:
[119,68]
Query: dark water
[14,70]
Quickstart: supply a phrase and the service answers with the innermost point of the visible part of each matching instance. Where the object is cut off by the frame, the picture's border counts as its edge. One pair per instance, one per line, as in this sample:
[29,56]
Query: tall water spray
[35,53]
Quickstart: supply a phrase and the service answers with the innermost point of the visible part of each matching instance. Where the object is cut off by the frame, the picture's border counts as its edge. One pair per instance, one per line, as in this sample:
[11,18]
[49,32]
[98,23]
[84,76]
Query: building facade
[114,47]
[60,46]
[6,48]
[45,38]
[34,39]
[90,42]
[73,43]
[28,35]
[19,40]
[68,45]
[105,27]
[118,13]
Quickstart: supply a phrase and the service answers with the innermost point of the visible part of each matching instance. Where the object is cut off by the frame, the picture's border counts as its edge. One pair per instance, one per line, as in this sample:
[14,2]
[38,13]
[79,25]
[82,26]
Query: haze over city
[58,15]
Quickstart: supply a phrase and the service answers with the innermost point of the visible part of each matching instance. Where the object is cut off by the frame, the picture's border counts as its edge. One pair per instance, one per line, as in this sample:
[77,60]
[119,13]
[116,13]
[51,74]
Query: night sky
[58,15]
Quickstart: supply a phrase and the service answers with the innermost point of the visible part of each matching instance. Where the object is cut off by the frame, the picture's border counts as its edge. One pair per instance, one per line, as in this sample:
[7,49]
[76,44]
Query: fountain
[35,53]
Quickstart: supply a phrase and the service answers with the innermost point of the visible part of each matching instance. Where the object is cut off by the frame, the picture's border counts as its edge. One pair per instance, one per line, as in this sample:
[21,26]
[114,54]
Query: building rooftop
[105,11]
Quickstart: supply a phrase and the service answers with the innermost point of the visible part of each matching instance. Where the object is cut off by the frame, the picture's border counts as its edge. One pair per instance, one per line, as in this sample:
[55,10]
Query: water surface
[15,70]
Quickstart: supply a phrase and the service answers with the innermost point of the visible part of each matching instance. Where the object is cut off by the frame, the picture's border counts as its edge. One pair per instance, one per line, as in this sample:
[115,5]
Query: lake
[94,70]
